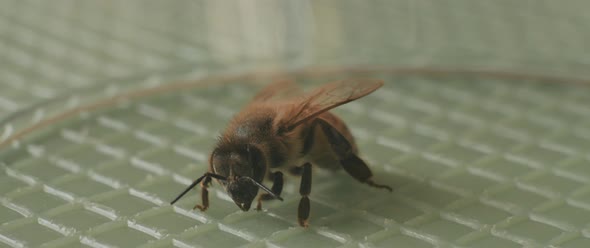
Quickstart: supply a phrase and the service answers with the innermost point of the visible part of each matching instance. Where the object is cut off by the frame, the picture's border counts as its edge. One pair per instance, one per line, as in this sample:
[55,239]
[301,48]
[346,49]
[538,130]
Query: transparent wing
[328,97]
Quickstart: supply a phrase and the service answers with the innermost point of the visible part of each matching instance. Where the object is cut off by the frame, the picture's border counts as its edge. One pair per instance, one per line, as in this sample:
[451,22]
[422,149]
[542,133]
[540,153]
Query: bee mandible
[282,129]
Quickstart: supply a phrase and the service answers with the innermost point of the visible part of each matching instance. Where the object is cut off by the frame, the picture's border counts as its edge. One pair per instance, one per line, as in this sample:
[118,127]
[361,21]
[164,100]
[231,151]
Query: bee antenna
[208,174]
[265,189]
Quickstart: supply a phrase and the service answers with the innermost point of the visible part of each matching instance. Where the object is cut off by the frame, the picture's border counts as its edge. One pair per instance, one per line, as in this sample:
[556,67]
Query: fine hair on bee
[283,129]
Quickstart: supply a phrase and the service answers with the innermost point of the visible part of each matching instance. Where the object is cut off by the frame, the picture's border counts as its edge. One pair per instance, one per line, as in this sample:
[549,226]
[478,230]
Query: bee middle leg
[351,163]
[277,188]
[304,190]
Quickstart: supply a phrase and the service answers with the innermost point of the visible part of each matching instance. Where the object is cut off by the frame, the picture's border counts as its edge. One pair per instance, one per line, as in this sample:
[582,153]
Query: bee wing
[328,97]
[285,88]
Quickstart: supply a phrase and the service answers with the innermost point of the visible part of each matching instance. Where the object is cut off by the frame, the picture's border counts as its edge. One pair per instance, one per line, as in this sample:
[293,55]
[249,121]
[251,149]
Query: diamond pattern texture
[451,187]
[476,159]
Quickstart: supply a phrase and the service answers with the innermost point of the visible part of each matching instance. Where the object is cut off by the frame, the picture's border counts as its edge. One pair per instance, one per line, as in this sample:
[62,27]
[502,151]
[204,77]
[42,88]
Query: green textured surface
[476,161]
[453,186]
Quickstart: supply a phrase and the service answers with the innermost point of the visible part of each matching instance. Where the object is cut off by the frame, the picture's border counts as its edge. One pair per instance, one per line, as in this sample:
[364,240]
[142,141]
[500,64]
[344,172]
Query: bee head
[242,190]
[243,167]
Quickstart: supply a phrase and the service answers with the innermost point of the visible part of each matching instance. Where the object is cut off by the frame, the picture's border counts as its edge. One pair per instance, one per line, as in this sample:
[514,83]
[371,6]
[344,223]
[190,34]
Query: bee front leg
[204,195]
[277,188]
[351,163]
[304,190]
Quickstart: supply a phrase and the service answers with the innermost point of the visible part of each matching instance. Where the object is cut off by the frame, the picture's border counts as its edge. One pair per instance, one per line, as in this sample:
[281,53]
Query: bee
[282,129]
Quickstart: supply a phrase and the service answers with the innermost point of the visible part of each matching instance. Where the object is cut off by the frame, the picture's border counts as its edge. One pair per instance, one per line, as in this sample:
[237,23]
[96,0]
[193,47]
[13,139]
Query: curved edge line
[275,74]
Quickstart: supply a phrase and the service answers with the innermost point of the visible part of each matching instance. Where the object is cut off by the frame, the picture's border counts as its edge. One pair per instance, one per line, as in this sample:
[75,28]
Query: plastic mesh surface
[48,48]
[474,162]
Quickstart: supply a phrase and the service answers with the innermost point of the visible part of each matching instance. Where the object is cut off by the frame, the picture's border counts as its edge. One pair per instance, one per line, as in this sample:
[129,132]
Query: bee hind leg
[304,190]
[277,188]
[351,163]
